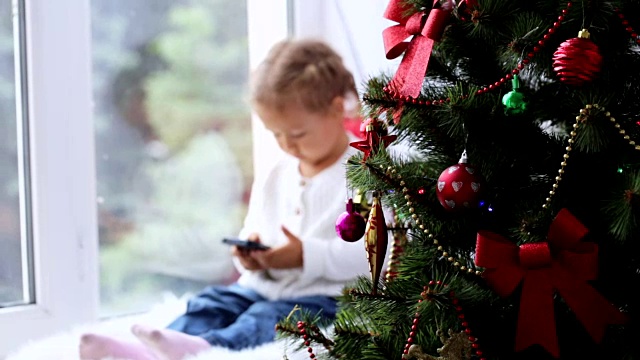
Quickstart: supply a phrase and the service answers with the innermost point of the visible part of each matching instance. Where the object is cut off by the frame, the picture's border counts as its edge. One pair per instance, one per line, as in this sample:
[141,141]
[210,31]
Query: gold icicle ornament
[376,241]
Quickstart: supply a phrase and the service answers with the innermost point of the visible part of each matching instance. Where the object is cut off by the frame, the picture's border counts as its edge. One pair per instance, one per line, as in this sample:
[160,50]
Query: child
[300,92]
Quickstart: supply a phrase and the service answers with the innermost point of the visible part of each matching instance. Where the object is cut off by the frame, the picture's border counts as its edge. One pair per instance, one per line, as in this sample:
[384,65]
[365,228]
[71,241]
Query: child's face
[312,138]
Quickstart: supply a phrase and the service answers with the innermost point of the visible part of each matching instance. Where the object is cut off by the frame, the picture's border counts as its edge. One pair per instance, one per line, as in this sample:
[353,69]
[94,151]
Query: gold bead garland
[419,223]
[581,118]
[621,131]
[457,263]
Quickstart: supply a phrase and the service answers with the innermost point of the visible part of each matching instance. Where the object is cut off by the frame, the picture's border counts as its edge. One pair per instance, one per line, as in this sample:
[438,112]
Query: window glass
[14,242]
[173,145]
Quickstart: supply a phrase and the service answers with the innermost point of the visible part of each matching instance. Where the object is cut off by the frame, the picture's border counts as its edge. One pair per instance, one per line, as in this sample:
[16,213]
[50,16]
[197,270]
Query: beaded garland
[426,295]
[301,326]
[304,329]
[627,27]
[583,115]
[393,173]
[579,119]
[525,60]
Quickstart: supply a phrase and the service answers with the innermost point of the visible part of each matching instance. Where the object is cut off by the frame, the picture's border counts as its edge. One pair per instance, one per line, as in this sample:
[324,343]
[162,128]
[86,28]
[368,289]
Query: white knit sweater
[308,207]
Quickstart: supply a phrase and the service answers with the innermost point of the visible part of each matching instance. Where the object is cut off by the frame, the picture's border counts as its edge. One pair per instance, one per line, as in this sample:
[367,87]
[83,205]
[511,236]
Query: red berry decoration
[578,60]
[459,186]
[350,225]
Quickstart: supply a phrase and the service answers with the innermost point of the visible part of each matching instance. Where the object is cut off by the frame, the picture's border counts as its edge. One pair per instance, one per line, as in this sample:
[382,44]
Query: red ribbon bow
[562,264]
[410,74]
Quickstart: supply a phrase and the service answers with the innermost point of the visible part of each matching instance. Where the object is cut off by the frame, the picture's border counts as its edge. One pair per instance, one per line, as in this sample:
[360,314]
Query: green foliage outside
[173,145]
[202,86]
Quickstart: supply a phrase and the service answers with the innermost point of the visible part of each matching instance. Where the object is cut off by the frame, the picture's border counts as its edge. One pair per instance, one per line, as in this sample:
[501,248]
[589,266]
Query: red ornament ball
[578,60]
[350,225]
[458,187]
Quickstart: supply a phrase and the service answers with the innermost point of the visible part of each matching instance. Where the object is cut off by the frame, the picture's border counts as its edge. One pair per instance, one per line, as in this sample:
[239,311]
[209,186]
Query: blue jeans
[236,318]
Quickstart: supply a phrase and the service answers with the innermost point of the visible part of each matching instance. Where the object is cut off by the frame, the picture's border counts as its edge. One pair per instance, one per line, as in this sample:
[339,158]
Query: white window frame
[61,154]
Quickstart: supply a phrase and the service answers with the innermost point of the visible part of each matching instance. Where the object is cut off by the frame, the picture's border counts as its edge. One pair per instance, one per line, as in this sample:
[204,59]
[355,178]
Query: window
[16,281]
[173,145]
[174,140]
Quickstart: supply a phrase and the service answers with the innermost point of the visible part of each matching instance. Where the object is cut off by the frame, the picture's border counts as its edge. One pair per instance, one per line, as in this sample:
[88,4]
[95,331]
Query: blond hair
[304,72]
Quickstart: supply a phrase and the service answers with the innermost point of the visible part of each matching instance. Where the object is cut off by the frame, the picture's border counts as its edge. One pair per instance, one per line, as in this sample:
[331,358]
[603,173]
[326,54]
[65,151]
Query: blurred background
[173,144]
[11,259]
[173,148]
[175,140]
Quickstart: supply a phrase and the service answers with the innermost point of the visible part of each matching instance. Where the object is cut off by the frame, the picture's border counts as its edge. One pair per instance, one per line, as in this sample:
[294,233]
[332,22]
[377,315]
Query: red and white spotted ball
[458,187]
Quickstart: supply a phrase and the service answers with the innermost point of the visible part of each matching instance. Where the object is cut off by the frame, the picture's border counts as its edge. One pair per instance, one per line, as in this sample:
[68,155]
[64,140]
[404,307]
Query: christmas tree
[514,233]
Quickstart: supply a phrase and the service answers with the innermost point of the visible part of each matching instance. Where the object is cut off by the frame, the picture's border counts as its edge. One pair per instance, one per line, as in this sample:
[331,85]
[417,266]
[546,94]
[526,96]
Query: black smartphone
[246,244]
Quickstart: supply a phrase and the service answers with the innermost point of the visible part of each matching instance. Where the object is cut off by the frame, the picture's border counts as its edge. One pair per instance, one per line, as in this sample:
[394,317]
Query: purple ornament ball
[350,226]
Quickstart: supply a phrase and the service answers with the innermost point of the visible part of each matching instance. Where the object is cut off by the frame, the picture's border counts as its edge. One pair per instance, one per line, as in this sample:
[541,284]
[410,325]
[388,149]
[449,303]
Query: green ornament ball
[514,100]
[514,103]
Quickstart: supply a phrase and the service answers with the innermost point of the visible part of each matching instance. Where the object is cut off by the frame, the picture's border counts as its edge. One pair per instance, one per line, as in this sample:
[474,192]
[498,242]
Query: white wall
[263,32]
[352,27]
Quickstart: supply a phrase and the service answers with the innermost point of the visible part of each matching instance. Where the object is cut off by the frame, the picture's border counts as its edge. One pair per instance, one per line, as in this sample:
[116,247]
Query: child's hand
[244,255]
[287,256]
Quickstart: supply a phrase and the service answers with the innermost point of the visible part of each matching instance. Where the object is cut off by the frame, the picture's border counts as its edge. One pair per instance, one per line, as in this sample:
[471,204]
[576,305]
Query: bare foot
[169,344]
[96,347]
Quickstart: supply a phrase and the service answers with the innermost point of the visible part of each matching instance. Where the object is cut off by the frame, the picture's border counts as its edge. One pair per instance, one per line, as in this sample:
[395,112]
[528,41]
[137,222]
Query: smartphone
[246,244]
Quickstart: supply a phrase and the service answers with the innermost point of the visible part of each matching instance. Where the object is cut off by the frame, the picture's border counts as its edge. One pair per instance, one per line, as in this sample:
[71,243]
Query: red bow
[410,74]
[562,264]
